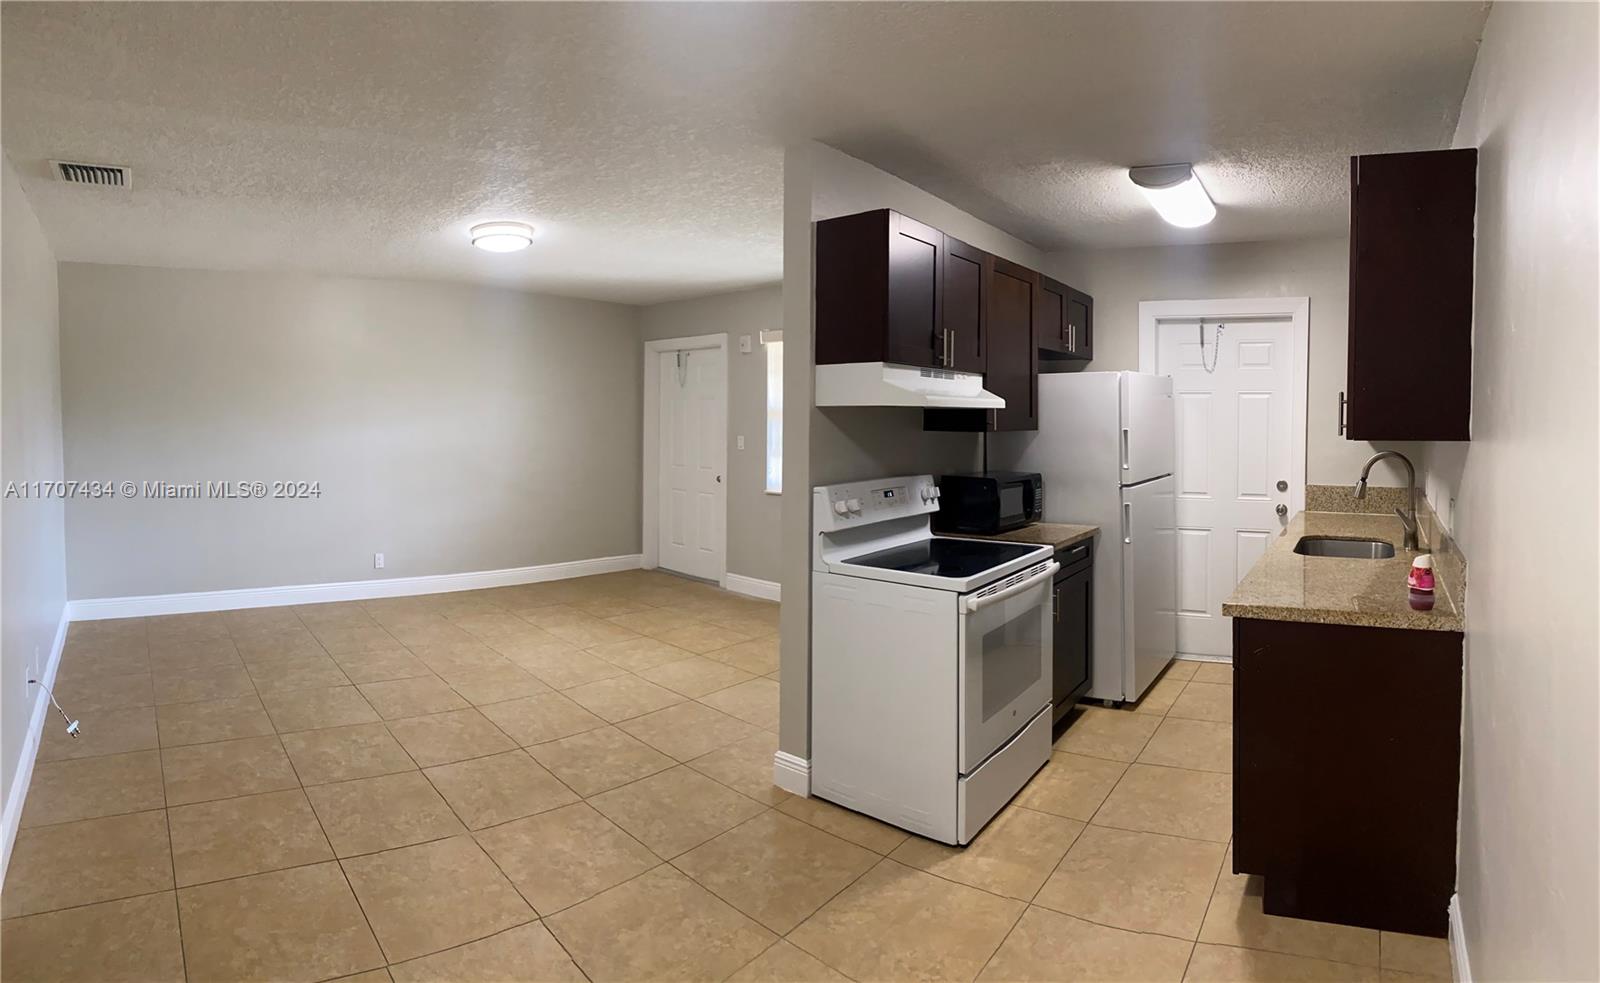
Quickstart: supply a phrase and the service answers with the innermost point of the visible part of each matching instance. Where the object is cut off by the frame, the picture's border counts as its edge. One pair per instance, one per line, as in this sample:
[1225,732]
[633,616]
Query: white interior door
[1235,442]
[692,453]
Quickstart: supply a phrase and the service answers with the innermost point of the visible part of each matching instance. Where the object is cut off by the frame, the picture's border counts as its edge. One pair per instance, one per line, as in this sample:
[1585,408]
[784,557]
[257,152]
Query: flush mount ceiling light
[1176,194]
[502,237]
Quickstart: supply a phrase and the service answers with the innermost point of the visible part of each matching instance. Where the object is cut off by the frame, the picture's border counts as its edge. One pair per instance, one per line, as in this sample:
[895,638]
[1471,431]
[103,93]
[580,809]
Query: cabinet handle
[1341,413]
[950,346]
[1055,604]
[1072,337]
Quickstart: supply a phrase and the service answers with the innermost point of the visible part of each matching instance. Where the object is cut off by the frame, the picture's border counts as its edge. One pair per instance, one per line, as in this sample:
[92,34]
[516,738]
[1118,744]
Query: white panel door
[693,441]
[1235,440]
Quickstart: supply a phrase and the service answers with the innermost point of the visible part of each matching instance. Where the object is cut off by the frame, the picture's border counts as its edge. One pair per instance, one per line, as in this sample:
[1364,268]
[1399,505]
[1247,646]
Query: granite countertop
[1057,534]
[1285,586]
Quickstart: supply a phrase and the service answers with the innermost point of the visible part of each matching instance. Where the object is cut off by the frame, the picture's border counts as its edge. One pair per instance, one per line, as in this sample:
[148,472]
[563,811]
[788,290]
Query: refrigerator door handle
[1127,522]
[1124,448]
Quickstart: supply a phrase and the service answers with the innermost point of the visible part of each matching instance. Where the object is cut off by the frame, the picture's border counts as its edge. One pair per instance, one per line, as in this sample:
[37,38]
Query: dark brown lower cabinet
[1346,757]
[1072,607]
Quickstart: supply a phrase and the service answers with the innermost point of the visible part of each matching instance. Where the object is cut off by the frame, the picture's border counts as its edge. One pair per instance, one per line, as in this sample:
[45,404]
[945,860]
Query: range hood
[888,384]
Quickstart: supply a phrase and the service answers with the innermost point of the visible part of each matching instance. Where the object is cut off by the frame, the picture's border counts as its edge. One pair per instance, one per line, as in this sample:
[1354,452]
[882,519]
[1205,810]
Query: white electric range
[930,664]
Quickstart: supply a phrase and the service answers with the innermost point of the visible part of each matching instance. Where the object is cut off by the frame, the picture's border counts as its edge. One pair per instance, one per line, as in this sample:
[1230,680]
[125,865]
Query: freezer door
[1145,441]
[1076,446]
[1149,583]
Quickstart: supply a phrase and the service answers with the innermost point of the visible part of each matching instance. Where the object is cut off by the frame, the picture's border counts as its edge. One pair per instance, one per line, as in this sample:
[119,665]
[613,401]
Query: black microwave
[987,503]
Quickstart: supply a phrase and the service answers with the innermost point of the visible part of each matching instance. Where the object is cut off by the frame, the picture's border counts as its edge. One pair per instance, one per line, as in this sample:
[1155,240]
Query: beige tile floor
[572,781]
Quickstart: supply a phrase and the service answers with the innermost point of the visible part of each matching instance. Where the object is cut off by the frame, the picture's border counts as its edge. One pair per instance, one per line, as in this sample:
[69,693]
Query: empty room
[655,491]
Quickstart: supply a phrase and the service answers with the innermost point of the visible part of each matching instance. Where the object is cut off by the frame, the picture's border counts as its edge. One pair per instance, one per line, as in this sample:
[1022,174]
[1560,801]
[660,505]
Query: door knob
[1283,486]
[719,479]
[1282,510]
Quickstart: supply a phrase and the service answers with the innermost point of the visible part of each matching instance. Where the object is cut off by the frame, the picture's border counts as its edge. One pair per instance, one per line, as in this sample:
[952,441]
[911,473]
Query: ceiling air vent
[106,175]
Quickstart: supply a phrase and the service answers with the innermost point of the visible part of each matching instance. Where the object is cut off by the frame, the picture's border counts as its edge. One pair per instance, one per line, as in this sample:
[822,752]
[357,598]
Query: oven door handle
[978,603]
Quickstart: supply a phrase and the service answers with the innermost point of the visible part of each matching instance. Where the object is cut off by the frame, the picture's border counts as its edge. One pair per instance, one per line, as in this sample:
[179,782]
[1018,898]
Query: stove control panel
[865,502]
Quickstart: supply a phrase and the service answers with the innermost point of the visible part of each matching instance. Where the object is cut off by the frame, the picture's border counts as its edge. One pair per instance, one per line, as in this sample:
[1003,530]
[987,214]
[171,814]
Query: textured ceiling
[646,140]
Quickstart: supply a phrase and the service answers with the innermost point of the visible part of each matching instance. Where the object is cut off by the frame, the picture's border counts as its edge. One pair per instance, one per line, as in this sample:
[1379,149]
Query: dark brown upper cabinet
[965,316]
[1411,262]
[880,291]
[890,289]
[1012,360]
[1065,321]
[1013,347]
[1080,325]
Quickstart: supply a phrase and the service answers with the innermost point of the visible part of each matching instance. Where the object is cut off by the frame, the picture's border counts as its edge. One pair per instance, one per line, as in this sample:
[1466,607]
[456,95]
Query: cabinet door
[1411,266]
[1307,731]
[1050,315]
[1074,633]
[1013,365]
[1079,326]
[963,316]
[916,293]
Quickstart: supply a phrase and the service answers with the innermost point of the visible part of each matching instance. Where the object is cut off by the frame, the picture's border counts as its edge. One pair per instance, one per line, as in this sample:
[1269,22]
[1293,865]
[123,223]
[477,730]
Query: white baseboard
[11,820]
[791,774]
[94,609]
[767,590]
[1459,967]
[1194,657]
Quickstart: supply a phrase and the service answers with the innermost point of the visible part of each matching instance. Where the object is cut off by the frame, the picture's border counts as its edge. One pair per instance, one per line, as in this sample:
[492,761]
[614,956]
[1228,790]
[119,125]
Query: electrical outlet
[739,441]
[377,561]
[744,344]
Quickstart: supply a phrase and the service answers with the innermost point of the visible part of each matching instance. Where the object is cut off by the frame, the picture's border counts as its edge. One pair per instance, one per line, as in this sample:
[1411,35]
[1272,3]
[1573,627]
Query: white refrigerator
[1105,449]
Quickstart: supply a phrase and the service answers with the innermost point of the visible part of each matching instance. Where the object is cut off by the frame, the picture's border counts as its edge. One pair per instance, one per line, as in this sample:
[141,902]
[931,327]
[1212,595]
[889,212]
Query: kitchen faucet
[1408,515]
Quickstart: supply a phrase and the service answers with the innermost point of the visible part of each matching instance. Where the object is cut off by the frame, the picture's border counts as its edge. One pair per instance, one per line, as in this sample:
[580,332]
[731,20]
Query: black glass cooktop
[944,557]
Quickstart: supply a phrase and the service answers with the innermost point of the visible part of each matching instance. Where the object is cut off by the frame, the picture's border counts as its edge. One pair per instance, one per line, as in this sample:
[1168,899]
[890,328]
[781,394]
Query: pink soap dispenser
[1421,576]
[1420,580]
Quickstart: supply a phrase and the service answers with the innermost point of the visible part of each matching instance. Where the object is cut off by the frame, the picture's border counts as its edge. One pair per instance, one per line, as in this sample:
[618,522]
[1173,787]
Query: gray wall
[33,586]
[753,515]
[1525,510]
[454,428]
[1319,269]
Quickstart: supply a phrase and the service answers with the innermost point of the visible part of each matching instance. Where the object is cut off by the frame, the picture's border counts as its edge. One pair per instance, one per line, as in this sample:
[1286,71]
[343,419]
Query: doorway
[1238,371]
[685,466]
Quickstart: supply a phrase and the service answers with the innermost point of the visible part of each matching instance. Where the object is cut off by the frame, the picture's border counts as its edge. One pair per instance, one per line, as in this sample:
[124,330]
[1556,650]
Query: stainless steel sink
[1350,549]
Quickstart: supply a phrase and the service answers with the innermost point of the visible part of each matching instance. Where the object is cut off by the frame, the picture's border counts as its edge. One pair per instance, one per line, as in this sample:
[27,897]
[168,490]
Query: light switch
[739,441]
[744,343]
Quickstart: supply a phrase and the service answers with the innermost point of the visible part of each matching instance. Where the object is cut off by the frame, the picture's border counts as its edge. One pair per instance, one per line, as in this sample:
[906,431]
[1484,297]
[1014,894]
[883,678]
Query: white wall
[1319,269]
[822,446]
[1525,503]
[753,514]
[33,586]
[454,428]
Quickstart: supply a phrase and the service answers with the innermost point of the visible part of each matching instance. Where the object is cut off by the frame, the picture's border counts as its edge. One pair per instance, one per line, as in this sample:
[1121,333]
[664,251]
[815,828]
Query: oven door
[1005,657]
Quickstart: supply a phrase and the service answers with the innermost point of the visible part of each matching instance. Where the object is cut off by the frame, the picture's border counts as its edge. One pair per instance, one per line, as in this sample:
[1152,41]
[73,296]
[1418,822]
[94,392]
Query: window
[772,341]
